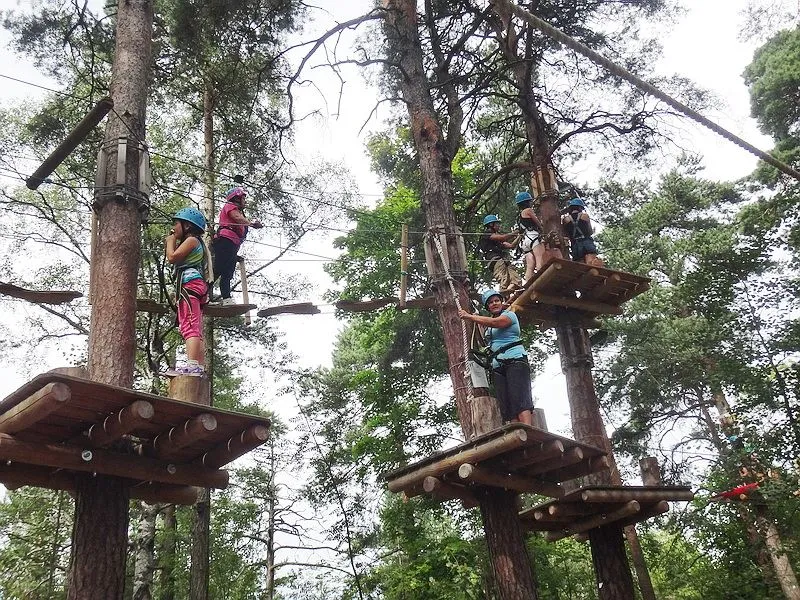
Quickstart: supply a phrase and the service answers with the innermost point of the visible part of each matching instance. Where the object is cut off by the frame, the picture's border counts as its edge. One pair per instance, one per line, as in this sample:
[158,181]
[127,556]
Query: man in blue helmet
[495,248]
[511,372]
[579,230]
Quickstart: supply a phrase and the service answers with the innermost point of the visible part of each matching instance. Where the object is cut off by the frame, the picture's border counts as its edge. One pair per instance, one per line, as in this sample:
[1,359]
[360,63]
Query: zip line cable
[642,85]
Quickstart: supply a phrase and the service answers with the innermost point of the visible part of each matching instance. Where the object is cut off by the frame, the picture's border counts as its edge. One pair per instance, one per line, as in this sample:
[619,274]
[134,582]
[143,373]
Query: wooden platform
[515,457]
[564,284]
[38,296]
[57,425]
[594,506]
[210,310]
[299,308]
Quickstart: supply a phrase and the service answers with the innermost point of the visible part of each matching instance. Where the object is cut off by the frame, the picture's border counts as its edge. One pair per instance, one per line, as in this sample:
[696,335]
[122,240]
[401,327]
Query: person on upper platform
[511,372]
[231,232]
[495,247]
[579,229]
[531,227]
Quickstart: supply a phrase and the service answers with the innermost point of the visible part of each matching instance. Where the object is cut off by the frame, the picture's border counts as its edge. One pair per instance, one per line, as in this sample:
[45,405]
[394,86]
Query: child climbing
[495,248]
[530,244]
[187,253]
[579,229]
[232,231]
[511,372]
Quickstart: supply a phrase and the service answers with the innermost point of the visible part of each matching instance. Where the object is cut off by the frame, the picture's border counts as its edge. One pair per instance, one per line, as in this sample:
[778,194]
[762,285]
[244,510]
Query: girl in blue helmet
[495,248]
[511,372]
[232,231]
[186,252]
[579,229]
[531,242]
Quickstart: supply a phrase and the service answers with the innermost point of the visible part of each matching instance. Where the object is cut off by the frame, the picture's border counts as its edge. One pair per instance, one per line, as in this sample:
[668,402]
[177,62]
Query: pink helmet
[235,193]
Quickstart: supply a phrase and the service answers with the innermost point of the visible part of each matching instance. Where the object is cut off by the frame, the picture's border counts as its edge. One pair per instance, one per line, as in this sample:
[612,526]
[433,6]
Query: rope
[464,337]
[642,85]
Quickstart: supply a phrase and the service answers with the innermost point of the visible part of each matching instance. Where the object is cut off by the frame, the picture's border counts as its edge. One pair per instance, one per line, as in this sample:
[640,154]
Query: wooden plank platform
[57,425]
[38,296]
[210,310]
[299,308]
[594,506]
[565,284]
[516,457]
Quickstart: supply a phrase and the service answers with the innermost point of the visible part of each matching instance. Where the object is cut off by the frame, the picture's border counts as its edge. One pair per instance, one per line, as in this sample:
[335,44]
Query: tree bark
[100,532]
[613,576]
[511,564]
[777,554]
[145,553]
[271,514]
[166,555]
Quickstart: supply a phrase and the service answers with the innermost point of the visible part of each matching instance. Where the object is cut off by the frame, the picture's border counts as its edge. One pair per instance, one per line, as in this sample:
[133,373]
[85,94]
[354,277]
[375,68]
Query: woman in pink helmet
[231,232]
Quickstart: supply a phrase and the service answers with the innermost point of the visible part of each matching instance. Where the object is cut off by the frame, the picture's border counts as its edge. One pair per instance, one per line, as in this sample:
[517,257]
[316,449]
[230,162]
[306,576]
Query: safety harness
[206,270]
[234,227]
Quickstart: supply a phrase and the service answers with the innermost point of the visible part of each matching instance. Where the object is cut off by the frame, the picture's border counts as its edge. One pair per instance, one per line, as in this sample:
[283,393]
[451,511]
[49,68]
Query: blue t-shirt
[501,336]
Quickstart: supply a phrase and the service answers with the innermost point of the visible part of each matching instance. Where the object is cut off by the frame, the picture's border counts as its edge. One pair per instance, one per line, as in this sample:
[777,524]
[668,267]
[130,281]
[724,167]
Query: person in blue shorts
[511,372]
[578,226]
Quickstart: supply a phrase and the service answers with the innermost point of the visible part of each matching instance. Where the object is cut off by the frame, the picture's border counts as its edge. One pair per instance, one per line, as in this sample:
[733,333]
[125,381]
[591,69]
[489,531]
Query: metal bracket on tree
[121,191]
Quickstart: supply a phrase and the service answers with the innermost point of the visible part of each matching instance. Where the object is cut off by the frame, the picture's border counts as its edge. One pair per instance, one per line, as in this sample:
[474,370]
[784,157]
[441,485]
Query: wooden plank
[441,490]
[605,290]
[626,510]
[109,463]
[517,483]
[160,493]
[227,310]
[35,407]
[38,296]
[643,495]
[570,457]
[120,423]
[647,512]
[151,306]
[530,456]
[427,302]
[537,282]
[578,303]
[199,427]
[298,308]
[365,305]
[235,447]
[593,465]
[482,451]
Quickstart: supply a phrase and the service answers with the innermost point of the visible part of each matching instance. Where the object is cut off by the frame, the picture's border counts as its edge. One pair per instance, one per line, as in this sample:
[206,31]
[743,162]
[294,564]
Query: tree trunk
[270,558]
[100,533]
[610,562]
[777,554]
[201,520]
[511,564]
[145,553]
[166,555]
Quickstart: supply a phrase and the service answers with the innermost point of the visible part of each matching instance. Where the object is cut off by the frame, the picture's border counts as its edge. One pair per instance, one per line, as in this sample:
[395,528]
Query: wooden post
[539,419]
[651,472]
[100,530]
[403,265]
[245,295]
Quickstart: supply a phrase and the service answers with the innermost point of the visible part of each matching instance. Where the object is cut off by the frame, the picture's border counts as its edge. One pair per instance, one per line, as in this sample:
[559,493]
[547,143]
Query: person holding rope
[495,248]
[579,229]
[531,227]
[511,372]
[231,232]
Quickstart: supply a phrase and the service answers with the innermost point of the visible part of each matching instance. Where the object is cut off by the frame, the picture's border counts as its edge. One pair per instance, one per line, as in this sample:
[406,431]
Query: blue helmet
[489,219]
[522,197]
[193,216]
[485,296]
[576,202]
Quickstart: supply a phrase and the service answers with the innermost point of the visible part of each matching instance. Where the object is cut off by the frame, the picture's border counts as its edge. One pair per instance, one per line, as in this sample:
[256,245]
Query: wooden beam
[533,455]
[441,490]
[193,430]
[580,282]
[122,422]
[570,457]
[549,273]
[35,407]
[578,303]
[626,510]
[245,294]
[500,445]
[156,493]
[235,447]
[564,510]
[105,462]
[648,512]
[603,291]
[625,495]
[593,465]
[517,483]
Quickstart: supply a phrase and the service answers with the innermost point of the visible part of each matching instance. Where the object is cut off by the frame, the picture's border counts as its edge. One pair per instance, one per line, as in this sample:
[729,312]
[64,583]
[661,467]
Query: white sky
[704,47]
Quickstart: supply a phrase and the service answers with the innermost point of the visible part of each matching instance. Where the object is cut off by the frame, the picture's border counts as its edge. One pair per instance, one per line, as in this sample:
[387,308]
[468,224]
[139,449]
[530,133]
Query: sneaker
[194,370]
[226,301]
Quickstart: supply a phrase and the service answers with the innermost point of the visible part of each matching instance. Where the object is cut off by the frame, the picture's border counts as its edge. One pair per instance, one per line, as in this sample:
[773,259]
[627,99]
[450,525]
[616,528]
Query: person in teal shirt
[511,372]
